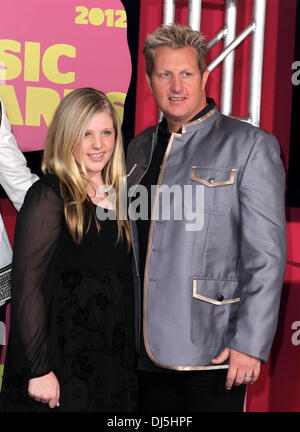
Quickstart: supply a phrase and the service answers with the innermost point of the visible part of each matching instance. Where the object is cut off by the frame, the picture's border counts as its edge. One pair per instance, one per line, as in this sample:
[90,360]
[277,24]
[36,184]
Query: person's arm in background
[15,178]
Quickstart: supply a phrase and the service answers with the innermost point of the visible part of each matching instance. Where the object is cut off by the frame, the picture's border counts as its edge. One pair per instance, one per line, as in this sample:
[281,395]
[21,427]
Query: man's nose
[176,84]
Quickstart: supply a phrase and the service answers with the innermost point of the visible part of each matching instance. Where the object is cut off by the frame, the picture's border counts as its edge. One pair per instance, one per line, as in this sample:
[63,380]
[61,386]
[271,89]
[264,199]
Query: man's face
[177,84]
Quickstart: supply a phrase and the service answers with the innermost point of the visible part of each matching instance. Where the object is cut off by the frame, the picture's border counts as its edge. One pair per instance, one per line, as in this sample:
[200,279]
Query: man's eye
[164,74]
[187,74]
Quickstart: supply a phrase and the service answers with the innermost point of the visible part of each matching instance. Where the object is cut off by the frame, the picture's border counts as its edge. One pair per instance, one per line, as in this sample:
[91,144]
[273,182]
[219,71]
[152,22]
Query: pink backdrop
[50,47]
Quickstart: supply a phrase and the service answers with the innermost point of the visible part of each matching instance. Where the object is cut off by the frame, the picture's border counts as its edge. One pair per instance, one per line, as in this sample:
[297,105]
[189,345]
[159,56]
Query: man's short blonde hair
[175,36]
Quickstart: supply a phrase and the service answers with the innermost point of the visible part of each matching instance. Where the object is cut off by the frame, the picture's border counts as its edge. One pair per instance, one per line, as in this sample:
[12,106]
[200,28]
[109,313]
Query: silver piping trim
[210,300]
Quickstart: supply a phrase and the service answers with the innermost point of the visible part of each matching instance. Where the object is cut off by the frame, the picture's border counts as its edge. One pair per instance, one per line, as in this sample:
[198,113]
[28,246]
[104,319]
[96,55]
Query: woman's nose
[96,141]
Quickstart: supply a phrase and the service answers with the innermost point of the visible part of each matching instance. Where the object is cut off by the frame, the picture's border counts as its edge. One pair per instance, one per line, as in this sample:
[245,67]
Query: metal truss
[256,28]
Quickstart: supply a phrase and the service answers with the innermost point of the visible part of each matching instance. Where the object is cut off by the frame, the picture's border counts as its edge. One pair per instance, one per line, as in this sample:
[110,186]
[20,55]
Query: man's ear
[149,82]
[204,78]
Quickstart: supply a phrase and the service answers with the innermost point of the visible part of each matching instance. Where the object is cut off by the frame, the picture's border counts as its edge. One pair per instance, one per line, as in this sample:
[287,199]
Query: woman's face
[98,144]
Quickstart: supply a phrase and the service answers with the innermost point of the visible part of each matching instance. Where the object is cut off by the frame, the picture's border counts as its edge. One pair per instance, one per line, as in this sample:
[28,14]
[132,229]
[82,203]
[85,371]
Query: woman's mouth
[96,155]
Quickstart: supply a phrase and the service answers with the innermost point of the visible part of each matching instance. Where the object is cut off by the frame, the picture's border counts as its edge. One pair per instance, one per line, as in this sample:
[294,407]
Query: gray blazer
[215,283]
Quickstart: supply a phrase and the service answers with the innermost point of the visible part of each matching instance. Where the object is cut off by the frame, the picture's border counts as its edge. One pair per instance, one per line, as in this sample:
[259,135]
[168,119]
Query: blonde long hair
[65,133]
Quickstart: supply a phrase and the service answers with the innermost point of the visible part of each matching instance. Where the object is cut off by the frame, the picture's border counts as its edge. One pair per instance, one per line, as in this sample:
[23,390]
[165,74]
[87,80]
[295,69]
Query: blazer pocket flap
[217,292]
[213,177]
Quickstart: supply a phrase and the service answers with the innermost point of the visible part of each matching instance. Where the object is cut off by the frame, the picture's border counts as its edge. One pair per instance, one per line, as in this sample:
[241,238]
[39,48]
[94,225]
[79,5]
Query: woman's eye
[107,132]
[86,134]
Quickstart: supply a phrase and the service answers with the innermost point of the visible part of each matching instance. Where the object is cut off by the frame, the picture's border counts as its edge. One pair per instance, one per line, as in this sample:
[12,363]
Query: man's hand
[45,389]
[243,368]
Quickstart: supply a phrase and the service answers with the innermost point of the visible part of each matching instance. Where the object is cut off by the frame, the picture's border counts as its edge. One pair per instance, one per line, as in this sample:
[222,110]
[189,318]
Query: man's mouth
[176,99]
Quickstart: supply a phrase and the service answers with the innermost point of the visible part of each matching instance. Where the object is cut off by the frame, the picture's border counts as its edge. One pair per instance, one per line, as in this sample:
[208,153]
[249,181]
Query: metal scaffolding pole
[168,18]
[256,66]
[194,14]
[239,39]
[228,63]
[219,36]
[168,11]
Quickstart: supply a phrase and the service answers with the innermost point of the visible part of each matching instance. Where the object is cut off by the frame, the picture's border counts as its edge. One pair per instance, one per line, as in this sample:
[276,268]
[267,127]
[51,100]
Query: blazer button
[220,297]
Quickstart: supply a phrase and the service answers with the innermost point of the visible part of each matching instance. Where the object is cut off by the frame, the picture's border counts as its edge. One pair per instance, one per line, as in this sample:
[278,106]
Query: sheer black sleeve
[35,242]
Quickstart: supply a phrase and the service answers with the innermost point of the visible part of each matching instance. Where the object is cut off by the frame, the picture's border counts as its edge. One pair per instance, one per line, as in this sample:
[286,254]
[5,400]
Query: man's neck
[176,126]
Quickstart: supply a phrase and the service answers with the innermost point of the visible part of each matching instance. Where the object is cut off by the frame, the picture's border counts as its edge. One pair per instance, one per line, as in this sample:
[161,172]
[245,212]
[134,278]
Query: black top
[72,310]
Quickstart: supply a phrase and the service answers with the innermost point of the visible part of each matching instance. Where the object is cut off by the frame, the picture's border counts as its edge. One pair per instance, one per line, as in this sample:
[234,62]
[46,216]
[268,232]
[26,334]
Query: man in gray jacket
[208,283]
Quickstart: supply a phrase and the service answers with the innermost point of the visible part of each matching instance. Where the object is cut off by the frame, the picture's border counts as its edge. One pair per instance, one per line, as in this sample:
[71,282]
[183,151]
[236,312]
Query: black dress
[72,310]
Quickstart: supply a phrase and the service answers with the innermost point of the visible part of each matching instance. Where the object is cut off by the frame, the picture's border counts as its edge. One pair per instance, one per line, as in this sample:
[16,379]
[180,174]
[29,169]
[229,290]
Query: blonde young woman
[71,342]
